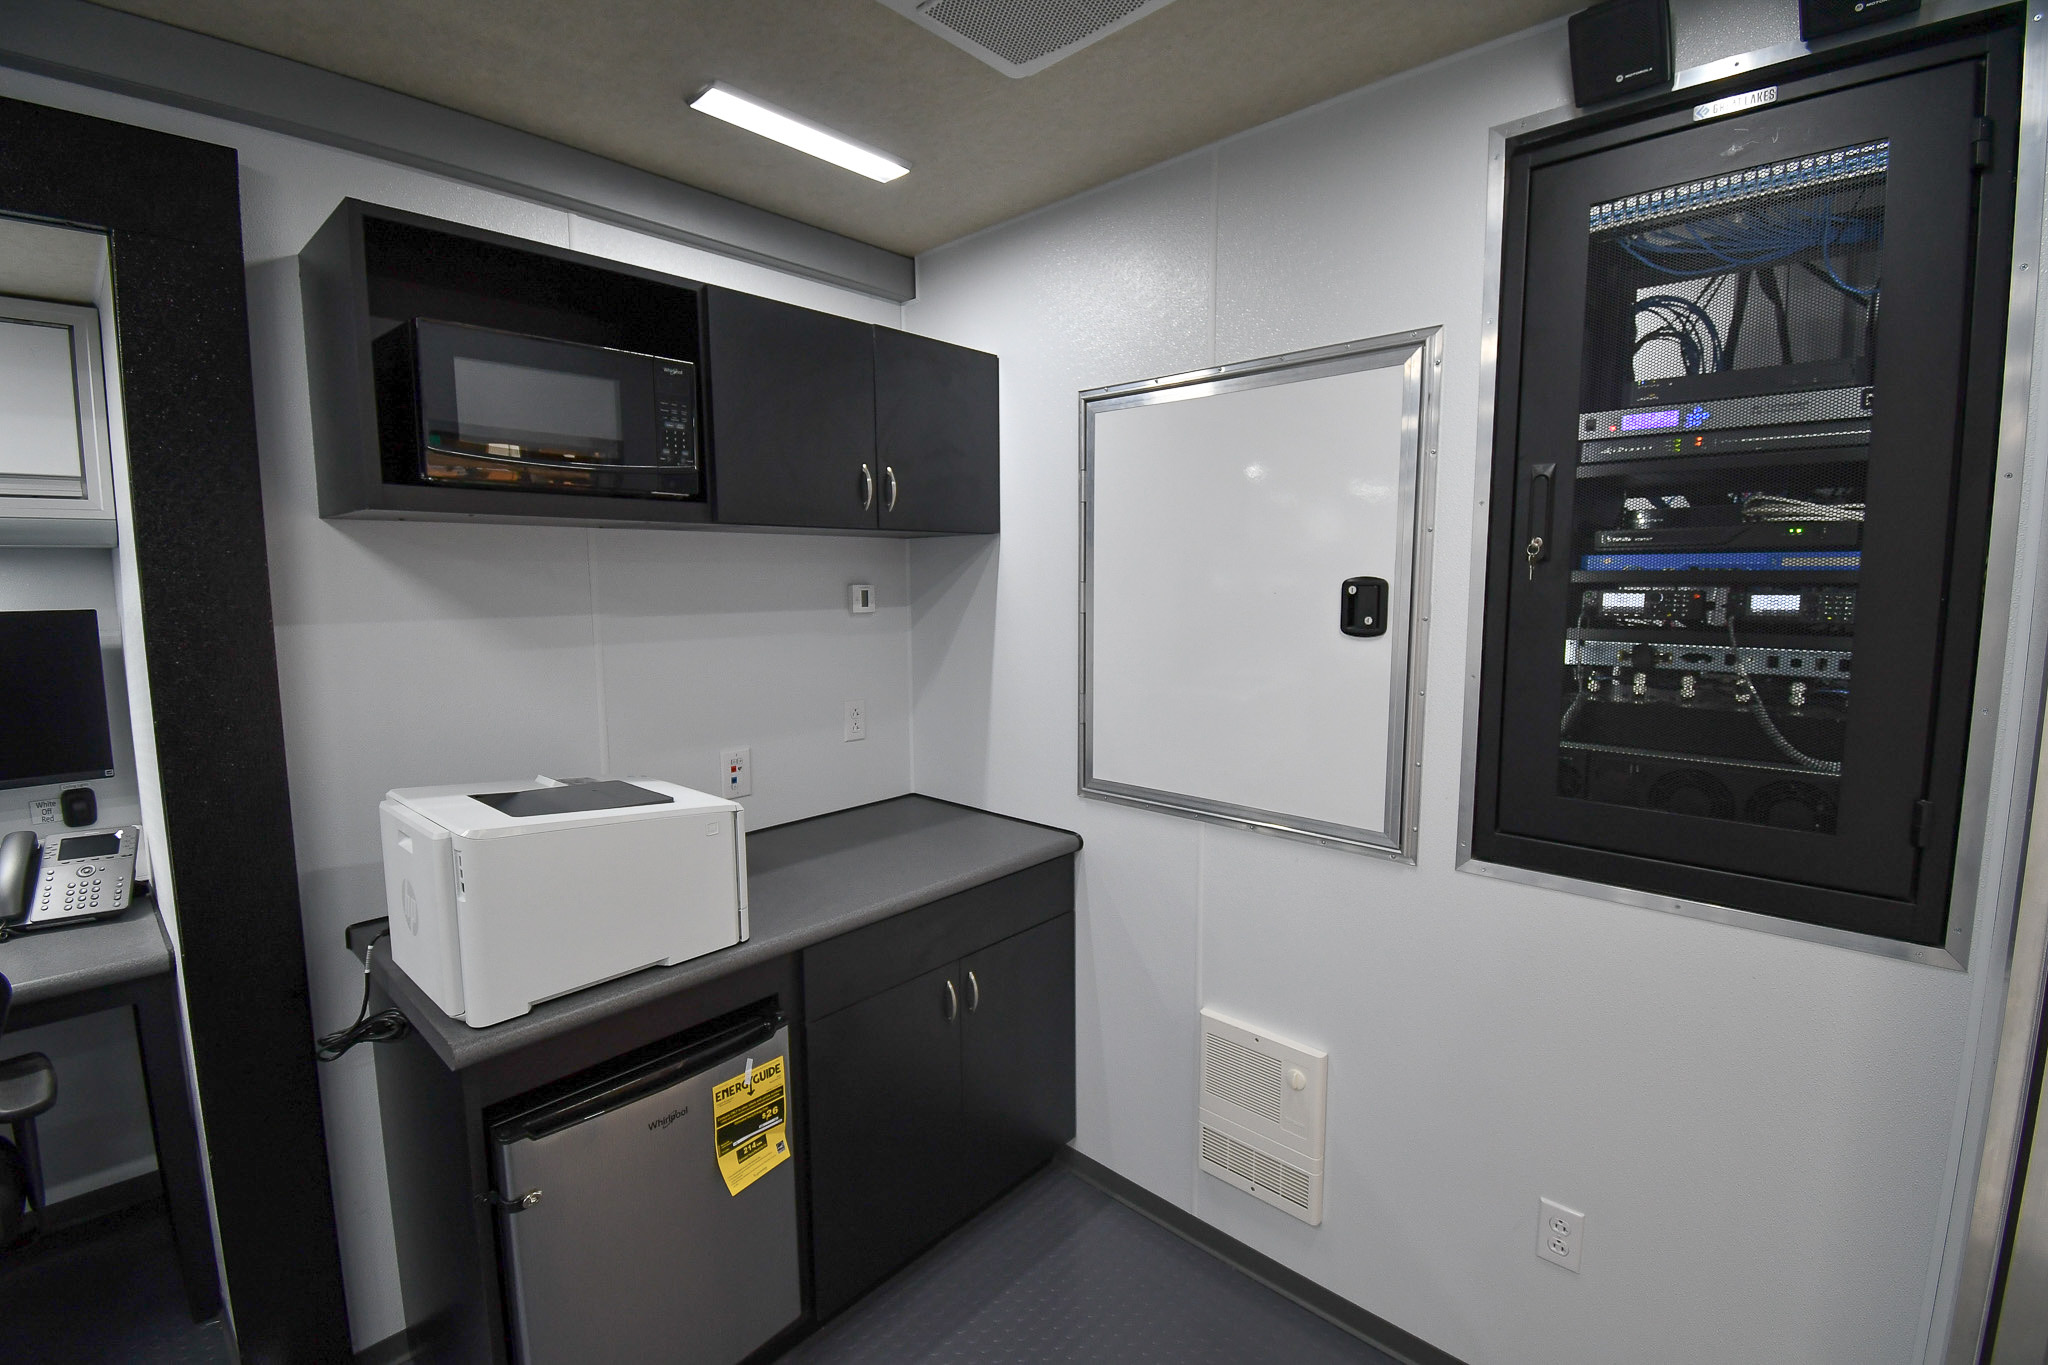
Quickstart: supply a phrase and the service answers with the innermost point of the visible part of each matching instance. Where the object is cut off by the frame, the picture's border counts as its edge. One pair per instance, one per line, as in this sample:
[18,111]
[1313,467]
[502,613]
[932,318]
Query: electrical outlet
[860,598]
[856,720]
[735,772]
[1559,1231]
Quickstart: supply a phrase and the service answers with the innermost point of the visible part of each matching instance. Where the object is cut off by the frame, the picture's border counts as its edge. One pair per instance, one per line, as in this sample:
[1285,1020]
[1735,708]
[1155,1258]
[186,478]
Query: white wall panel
[1110,287]
[416,652]
[1759,1129]
[713,641]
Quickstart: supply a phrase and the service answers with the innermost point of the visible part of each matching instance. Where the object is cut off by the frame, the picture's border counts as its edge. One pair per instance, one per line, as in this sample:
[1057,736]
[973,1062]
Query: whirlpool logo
[656,1125]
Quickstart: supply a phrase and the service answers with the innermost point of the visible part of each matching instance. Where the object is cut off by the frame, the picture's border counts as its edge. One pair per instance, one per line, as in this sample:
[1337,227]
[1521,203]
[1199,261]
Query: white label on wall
[44,812]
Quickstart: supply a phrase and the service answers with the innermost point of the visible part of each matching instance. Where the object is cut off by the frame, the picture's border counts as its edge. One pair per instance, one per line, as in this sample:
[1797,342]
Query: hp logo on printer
[1696,417]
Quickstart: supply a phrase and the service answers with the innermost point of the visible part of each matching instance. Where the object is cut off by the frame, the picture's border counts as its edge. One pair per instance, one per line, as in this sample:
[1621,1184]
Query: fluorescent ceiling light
[724,102]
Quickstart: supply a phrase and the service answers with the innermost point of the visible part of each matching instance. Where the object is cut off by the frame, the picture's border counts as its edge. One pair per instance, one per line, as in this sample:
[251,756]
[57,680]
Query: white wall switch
[861,598]
[735,772]
[1559,1231]
[856,720]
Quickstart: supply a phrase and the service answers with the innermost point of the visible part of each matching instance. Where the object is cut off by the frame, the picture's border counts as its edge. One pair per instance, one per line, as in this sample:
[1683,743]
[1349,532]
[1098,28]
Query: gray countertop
[807,882]
[50,963]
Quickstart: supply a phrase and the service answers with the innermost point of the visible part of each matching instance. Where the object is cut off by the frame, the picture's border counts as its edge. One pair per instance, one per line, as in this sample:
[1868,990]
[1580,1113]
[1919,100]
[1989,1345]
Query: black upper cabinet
[370,273]
[936,435]
[792,415]
[823,422]
[802,419]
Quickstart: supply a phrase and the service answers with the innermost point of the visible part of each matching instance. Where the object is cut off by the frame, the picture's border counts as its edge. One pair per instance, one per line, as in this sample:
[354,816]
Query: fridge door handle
[519,1204]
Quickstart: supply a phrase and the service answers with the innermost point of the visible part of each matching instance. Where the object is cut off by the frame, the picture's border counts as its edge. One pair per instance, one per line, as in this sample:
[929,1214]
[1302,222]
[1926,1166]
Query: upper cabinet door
[936,435]
[792,415]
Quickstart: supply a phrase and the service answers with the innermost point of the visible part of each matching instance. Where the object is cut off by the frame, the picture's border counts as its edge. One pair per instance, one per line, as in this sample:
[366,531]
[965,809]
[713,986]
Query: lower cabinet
[1016,1058]
[931,1096]
[885,1135]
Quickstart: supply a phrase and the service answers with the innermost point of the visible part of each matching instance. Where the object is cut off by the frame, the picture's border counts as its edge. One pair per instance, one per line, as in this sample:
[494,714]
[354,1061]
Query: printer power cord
[385,1026]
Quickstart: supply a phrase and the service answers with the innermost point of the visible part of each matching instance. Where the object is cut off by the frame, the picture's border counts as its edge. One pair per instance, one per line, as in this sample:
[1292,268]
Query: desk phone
[88,876]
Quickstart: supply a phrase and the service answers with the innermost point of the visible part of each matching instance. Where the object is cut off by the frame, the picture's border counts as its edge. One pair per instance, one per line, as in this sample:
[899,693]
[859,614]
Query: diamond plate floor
[1059,1273]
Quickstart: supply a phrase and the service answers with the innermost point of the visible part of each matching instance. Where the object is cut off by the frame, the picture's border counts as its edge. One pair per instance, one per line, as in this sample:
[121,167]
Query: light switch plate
[860,598]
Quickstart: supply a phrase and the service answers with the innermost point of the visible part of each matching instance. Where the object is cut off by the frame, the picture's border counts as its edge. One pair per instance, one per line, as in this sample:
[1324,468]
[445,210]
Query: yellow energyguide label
[747,1113]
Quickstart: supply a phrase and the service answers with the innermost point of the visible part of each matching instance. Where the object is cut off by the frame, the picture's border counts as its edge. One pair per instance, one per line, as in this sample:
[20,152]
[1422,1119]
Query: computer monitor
[53,699]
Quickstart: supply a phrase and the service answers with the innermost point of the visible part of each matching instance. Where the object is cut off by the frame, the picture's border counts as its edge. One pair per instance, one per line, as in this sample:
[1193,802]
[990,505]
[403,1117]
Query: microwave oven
[475,407]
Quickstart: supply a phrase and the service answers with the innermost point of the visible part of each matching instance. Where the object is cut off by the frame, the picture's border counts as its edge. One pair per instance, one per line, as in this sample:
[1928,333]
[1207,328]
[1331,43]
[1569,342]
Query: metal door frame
[1420,355]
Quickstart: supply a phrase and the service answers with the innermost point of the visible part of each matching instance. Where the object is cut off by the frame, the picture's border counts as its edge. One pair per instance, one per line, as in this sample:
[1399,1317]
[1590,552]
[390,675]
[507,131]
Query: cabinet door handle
[867,488]
[952,1002]
[889,481]
[973,993]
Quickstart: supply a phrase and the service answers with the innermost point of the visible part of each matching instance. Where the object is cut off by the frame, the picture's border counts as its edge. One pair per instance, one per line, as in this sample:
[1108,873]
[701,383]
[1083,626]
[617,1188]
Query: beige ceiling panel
[616,77]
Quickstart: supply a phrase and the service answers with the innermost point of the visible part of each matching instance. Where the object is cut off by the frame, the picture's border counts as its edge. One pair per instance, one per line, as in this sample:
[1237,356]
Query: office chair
[28,1087]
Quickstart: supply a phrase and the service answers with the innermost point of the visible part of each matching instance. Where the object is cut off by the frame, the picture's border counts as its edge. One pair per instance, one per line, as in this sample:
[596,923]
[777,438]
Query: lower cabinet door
[1017,1056]
[886,1141]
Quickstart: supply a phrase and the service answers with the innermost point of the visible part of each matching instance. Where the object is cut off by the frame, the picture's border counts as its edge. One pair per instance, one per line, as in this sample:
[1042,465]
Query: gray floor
[1061,1272]
[108,1291]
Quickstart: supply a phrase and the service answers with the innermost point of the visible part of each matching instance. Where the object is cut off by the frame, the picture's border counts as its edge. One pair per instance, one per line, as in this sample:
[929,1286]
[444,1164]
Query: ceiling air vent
[1023,37]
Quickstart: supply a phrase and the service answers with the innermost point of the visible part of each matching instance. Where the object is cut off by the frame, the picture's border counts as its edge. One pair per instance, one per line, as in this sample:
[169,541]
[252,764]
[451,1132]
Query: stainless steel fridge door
[635,1250]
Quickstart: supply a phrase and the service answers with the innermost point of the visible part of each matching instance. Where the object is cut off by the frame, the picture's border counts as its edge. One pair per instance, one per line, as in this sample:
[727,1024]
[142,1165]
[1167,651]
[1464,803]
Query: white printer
[505,894]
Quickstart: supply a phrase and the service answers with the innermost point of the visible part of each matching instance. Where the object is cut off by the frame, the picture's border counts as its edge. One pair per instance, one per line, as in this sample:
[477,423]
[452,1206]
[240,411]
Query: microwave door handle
[596,467]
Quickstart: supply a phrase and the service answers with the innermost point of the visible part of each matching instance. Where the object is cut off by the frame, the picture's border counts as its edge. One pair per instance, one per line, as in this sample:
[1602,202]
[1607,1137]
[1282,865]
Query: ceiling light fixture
[721,101]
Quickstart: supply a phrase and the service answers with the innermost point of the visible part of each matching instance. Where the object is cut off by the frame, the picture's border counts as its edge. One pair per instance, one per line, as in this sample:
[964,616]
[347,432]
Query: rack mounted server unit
[1741,486]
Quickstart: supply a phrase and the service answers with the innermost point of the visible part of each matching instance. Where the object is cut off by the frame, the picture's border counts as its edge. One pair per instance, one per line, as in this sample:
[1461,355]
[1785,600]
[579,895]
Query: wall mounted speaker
[1819,18]
[1620,47]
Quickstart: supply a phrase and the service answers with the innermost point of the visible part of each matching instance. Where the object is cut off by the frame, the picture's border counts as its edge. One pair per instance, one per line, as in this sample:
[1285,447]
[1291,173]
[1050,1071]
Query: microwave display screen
[495,401]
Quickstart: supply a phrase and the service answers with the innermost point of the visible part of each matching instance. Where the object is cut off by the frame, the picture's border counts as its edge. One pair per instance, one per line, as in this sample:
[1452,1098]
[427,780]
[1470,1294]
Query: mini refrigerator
[621,1240]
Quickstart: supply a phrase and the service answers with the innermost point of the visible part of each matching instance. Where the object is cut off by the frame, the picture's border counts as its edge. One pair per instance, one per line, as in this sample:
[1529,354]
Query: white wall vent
[1262,1115]
[1023,37]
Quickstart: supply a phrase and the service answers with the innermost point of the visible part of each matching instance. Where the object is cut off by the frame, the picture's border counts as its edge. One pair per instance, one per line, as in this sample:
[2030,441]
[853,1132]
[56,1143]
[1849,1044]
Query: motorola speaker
[1620,47]
[1822,18]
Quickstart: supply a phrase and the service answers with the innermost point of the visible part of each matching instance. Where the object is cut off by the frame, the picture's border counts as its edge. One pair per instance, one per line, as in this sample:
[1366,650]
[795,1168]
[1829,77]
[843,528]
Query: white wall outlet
[860,598]
[856,720]
[1559,1231]
[44,812]
[735,772]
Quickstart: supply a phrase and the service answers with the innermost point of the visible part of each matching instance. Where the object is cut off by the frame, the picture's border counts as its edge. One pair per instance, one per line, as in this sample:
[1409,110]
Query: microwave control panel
[675,406]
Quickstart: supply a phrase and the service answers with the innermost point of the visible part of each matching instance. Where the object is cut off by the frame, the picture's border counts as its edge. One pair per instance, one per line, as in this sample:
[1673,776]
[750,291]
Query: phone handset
[19,856]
